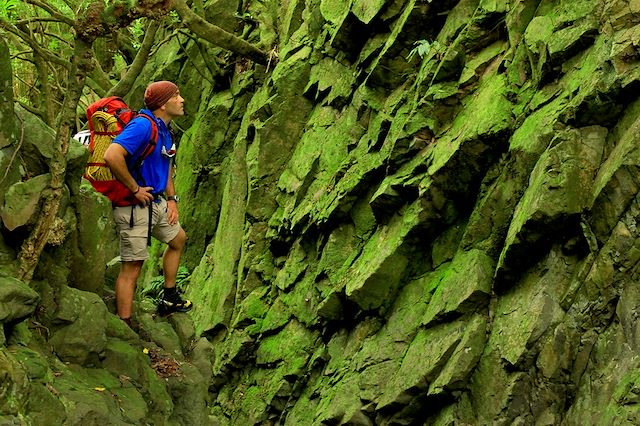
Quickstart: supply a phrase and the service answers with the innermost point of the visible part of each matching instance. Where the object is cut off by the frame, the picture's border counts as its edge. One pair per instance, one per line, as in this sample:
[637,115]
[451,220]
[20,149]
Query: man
[153,213]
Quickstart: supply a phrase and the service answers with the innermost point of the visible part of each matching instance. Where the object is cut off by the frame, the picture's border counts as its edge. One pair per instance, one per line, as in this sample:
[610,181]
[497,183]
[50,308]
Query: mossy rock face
[17,300]
[97,231]
[416,213]
[21,201]
[44,407]
[14,385]
[560,187]
[38,142]
[82,337]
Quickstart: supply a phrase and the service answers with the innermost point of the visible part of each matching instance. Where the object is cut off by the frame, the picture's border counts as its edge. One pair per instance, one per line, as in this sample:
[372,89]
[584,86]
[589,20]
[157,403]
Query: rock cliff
[419,213]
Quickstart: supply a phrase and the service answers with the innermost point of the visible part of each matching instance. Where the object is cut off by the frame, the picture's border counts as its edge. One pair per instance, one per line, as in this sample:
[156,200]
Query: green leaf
[8,8]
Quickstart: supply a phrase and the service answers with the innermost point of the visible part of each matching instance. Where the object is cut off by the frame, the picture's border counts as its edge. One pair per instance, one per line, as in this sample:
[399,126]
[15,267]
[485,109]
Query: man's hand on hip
[144,195]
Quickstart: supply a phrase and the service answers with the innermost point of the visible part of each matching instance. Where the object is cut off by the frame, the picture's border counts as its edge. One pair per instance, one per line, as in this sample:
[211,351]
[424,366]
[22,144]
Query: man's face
[175,105]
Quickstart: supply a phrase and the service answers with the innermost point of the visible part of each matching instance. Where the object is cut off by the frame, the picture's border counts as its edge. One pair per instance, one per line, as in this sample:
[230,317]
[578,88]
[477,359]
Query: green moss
[252,308]
[34,363]
[335,11]
[472,66]
[373,276]
[396,28]
[212,303]
[488,112]
[465,286]
[293,344]
[95,395]
[366,10]
[340,401]
[331,75]
[303,301]
[464,359]
[625,151]
[457,18]
[14,382]
[535,133]
[426,356]
[232,348]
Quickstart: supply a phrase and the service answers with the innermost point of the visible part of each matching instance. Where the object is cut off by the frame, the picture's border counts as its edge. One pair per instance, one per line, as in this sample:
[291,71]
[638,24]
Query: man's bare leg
[171,258]
[126,287]
[171,300]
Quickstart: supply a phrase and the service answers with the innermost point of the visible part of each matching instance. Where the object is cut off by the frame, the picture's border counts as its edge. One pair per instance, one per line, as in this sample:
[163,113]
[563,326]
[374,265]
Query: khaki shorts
[133,240]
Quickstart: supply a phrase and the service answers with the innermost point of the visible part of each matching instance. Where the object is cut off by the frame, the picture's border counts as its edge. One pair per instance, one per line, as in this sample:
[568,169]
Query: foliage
[154,287]
[137,30]
[422,48]
[8,8]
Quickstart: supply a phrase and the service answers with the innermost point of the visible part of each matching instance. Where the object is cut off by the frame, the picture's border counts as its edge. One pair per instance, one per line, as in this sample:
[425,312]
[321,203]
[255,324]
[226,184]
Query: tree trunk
[45,89]
[33,246]
[7,120]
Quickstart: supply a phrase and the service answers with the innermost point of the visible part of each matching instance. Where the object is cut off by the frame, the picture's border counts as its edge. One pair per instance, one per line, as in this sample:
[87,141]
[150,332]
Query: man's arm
[172,206]
[114,156]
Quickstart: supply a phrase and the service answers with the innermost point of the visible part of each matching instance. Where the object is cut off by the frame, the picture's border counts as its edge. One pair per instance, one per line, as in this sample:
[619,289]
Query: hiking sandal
[167,307]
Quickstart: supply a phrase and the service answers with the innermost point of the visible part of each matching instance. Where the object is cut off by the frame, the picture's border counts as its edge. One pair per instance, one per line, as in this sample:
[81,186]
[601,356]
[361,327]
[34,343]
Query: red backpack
[107,117]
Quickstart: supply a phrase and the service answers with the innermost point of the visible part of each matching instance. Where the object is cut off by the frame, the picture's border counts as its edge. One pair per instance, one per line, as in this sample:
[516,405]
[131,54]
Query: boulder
[21,201]
[17,300]
[83,337]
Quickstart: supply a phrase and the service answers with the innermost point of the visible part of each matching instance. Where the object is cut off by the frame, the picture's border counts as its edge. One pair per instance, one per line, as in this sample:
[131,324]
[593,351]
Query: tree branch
[32,110]
[99,75]
[52,11]
[43,76]
[7,124]
[216,35]
[40,19]
[44,53]
[126,83]
[39,237]
[124,45]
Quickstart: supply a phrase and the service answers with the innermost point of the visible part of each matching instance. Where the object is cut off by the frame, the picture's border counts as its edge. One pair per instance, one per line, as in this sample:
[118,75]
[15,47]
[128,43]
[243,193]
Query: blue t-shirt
[154,171]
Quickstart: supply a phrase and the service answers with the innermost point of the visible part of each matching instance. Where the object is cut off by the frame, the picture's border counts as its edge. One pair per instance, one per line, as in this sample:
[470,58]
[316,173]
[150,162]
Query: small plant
[137,30]
[422,48]
[153,290]
[246,16]
[425,48]
[8,8]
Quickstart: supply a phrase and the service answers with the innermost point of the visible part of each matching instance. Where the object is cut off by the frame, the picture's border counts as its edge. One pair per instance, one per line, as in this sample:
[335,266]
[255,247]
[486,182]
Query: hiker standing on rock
[154,215]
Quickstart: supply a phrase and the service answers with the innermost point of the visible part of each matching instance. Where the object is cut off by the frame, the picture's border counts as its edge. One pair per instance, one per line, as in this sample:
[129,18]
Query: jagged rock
[465,287]
[82,337]
[560,189]
[95,396]
[38,144]
[189,395]
[417,213]
[17,300]
[163,334]
[375,275]
[184,328]
[424,360]
[95,238]
[202,356]
[21,201]
[14,384]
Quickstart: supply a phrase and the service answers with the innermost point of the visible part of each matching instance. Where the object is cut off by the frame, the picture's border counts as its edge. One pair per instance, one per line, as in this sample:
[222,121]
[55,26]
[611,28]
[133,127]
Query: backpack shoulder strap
[153,140]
